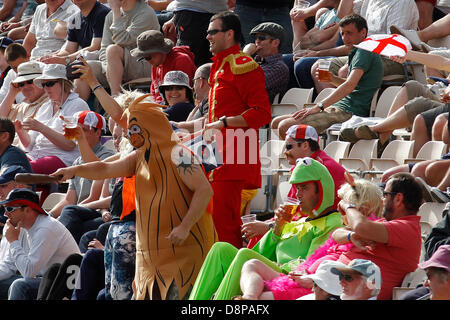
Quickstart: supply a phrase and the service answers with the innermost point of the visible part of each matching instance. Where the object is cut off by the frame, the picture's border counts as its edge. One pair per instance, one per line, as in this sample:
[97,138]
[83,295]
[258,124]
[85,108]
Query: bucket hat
[151,41]
[23,197]
[51,72]
[28,71]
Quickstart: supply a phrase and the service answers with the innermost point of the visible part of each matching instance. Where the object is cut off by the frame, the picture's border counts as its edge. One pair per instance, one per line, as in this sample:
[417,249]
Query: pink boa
[284,288]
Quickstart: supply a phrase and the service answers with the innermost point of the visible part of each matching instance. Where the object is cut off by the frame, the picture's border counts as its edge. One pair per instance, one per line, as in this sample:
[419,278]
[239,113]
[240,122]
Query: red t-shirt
[178,59]
[396,258]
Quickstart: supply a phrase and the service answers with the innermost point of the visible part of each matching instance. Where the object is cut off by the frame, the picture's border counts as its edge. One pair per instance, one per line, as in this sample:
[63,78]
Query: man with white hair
[360,279]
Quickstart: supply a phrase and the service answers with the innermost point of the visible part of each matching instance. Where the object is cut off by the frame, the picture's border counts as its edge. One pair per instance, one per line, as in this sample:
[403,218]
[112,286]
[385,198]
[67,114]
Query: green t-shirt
[358,102]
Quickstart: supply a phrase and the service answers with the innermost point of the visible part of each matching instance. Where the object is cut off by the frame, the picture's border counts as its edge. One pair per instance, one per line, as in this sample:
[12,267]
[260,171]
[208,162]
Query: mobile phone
[70,69]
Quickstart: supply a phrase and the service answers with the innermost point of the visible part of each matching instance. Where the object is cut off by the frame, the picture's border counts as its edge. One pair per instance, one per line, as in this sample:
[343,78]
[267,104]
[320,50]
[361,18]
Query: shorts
[430,115]
[323,120]
[390,67]
[418,105]
[416,89]
[445,54]
[133,69]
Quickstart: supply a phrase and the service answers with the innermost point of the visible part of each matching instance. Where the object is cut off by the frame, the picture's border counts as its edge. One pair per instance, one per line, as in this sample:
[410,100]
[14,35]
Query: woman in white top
[43,136]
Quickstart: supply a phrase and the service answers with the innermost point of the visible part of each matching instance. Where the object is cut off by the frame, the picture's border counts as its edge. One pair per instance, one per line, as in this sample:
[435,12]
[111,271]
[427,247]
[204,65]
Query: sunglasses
[214,31]
[262,37]
[177,88]
[49,84]
[385,193]
[346,277]
[21,84]
[11,209]
[289,146]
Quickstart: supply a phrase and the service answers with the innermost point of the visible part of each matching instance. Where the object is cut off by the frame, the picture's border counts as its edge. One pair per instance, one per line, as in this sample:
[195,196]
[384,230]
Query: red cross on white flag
[386,44]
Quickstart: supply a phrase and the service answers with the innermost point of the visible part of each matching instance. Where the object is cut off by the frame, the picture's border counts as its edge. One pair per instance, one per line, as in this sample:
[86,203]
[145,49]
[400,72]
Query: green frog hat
[306,170]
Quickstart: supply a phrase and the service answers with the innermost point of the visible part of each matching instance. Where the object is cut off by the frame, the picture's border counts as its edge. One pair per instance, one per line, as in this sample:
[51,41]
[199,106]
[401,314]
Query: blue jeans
[251,16]
[4,286]
[79,220]
[24,289]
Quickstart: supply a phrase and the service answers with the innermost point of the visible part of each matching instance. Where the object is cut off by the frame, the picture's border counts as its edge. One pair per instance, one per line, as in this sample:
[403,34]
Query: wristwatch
[224,120]
[271,224]
[320,105]
[67,60]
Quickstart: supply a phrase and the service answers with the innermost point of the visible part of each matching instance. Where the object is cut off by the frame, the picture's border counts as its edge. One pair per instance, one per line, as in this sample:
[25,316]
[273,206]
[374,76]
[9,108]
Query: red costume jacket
[238,88]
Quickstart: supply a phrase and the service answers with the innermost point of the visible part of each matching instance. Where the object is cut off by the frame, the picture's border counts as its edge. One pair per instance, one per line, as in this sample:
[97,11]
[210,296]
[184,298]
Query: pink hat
[439,259]
[303,132]
[91,119]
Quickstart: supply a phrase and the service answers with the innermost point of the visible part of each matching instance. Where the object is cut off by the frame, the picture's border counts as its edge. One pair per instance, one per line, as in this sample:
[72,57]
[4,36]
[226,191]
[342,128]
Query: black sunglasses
[171,88]
[21,84]
[385,193]
[10,209]
[346,277]
[49,84]
[214,31]
[262,37]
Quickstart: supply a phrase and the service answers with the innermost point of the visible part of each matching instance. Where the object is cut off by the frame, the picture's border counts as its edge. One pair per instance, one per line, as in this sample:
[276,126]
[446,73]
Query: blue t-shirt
[82,29]
[179,111]
[13,156]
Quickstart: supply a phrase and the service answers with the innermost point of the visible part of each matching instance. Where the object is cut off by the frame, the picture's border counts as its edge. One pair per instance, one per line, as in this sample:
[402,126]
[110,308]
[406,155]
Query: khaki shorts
[323,120]
[390,67]
[445,54]
[417,89]
[419,105]
[133,69]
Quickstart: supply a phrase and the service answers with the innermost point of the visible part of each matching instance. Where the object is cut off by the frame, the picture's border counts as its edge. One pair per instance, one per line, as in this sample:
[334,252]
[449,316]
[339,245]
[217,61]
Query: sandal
[239,297]
[348,134]
[364,132]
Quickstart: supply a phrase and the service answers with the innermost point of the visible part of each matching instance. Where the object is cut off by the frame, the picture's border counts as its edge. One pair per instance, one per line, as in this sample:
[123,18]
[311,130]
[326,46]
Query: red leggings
[227,211]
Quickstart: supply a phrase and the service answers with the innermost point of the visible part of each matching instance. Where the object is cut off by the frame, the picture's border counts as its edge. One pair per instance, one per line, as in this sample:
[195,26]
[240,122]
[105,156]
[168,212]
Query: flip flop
[348,134]
[364,132]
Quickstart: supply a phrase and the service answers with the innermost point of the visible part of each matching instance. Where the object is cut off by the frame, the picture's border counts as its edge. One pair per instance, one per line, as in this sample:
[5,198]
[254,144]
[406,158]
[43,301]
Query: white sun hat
[51,72]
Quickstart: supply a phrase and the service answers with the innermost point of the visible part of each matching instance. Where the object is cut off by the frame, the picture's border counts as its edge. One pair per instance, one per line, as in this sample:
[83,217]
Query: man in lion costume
[173,230]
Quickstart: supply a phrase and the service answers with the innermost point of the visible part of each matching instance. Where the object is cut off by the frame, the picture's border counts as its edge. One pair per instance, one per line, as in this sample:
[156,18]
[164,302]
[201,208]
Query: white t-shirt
[39,145]
[43,28]
[382,14]
[49,242]
[10,76]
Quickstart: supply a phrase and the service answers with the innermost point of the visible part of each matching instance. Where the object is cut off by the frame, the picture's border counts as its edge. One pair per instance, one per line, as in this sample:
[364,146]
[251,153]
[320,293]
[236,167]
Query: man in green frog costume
[283,245]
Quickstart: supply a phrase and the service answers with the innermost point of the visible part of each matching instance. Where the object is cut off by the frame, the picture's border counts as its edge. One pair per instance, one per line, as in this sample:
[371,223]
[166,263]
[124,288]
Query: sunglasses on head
[214,31]
[177,88]
[21,84]
[262,37]
[10,209]
[49,84]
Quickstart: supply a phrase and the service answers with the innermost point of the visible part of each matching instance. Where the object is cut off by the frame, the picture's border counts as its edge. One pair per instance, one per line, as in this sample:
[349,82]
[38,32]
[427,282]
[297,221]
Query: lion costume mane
[162,201]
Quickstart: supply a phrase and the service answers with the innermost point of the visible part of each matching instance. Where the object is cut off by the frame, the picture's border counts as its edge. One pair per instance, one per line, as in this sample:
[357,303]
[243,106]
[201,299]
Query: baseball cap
[5,42]
[91,119]
[7,174]
[361,266]
[325,279]
[303,132]
[439,259]
[23,197]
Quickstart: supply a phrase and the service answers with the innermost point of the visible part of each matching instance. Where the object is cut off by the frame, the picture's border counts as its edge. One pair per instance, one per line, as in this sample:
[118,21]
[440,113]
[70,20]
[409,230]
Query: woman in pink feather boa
[367,197]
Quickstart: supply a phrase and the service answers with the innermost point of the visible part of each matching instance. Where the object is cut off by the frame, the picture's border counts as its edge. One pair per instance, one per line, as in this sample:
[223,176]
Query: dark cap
[151,41]
[5,42]
[271,28]
[23,197]
[7,174]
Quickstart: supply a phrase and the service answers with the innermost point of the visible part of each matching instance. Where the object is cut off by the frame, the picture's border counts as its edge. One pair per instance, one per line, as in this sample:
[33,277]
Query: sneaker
[439,195]
[411,35]
[426,190]
[427,48]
